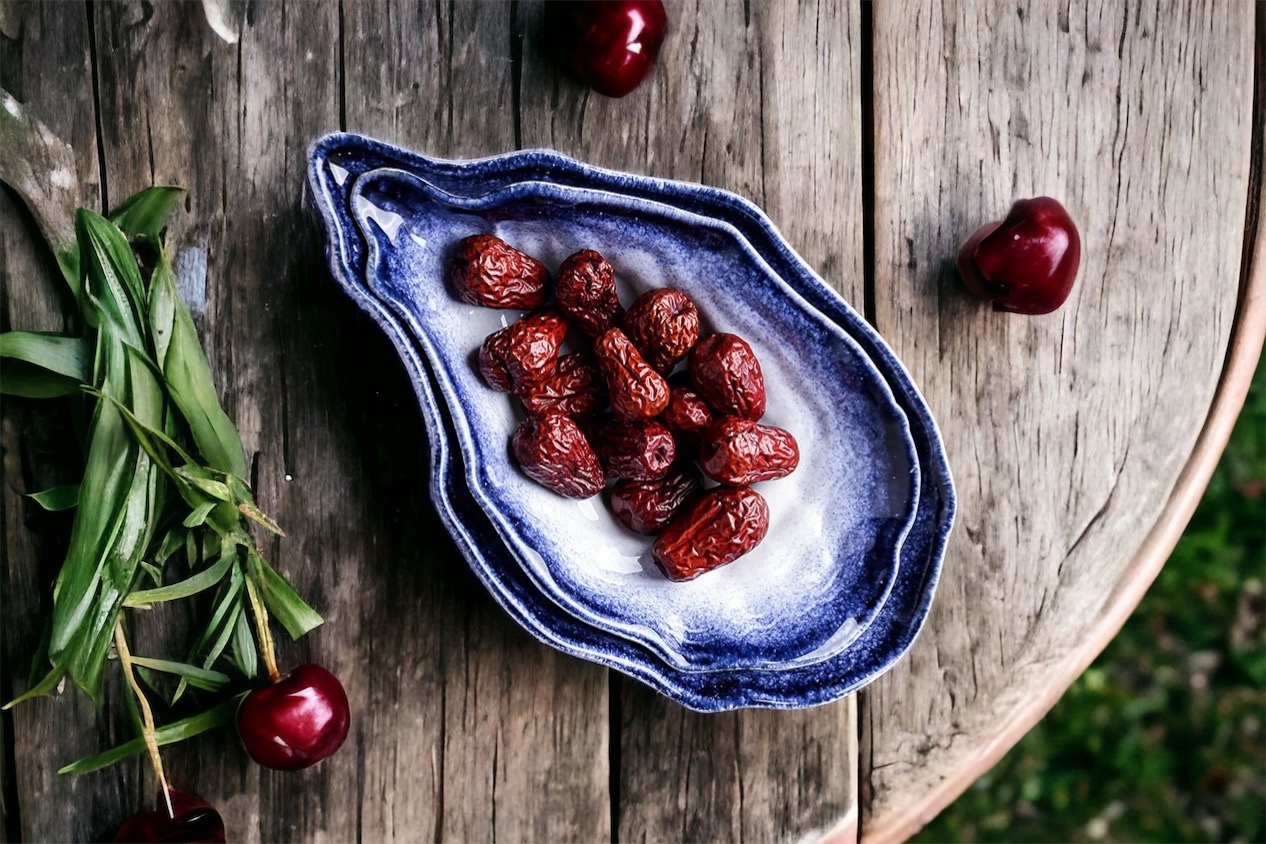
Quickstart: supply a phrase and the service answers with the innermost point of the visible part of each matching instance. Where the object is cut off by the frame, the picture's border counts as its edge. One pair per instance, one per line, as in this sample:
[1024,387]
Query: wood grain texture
[524,729]
[231,123]
[47,66]
[762,100]
[1066,433]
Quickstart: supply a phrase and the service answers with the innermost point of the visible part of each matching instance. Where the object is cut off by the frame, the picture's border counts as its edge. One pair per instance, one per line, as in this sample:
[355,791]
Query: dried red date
[687,414]
[664,326]
[554,453]
[718,528]
[576,388]
[522,353]
[586,292]
[637,391]
[738,451]
[648,506]
[490,272]
[727,374]
[641,451]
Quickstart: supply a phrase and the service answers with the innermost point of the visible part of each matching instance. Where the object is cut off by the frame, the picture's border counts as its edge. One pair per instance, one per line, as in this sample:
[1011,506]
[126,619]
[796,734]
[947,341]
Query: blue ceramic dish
[337,160]
[836,524]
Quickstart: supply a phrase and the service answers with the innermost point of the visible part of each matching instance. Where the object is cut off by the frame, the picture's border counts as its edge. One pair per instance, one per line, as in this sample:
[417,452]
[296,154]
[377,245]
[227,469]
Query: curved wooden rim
[1245,349]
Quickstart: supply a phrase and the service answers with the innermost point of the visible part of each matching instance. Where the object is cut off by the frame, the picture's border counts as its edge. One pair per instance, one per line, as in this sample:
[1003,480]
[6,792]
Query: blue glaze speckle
[338,161]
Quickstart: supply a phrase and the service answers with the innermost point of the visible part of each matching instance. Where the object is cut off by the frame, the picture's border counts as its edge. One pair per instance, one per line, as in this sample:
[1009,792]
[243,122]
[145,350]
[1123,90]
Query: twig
[147,715]
[260,613]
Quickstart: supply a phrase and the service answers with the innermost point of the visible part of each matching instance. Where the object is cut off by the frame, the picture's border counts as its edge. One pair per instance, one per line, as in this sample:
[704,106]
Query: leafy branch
[163,487]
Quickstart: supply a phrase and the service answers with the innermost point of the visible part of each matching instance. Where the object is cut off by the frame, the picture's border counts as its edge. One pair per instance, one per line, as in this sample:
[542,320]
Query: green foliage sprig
[164,478]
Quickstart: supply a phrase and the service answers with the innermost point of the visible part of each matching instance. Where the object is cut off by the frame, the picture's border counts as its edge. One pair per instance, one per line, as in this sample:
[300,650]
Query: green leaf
[215,636]
[244,653]
[185,728]
[43,687]
[199,477]
[59,353]
[97,574]
[172,542]
[199,514]
[250,511]
[199,678]
[146,435]
[281,598]
[38,365]
[108,478]
[154,572]
[189,376]
[31,382]
[191,585]
[112,278]
[86,659]
[120,481]
[57,498]
[145,214]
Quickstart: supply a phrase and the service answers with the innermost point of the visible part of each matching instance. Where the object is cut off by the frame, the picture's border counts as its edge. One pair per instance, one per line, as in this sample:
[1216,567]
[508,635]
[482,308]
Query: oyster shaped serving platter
[573,577]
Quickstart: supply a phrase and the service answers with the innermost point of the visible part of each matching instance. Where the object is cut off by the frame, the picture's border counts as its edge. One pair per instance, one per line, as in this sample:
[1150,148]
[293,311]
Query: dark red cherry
[297,721]
[611,43]
[1027,263]
[192,820]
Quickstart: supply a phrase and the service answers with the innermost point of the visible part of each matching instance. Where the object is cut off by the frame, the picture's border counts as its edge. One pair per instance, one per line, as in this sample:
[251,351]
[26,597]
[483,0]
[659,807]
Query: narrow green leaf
[69,356]
[143,431]
[200,678]
[43,687]
[39,365]
[191,585]
[212,543]
[172,542]
[214,637]
[245,655]
[112,278]
[189,377]
[250,511]
[154,572]
[185,728]
[57,498]
[68,263]
[145,214]
[241,491]
[31,382]
[281,598]
[198,477]
[108,476]
[199,514]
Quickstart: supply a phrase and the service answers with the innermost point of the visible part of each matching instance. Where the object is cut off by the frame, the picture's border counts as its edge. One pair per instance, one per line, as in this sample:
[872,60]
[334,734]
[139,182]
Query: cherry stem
[147,714]
[260,613]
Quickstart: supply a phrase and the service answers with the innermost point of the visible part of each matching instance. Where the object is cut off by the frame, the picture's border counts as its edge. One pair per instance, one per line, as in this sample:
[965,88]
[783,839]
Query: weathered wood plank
[763,100]
[231,123]
[45,63]
[1066,433]
[523,729]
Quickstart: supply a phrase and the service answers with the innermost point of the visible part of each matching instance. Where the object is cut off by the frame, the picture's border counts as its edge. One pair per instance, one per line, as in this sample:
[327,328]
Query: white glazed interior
[779,594]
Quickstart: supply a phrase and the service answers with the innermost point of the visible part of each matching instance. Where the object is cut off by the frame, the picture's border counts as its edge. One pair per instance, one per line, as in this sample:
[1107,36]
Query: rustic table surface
[876,137]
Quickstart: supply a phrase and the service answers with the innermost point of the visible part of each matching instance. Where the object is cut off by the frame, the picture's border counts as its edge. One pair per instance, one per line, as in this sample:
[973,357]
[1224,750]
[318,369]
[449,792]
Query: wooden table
[876,137]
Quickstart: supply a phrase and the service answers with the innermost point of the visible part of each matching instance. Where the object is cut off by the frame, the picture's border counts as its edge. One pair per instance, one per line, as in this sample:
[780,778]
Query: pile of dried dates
[616,410]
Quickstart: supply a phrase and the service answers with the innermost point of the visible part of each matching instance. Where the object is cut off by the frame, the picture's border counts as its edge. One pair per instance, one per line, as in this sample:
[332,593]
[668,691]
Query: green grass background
[1162,738]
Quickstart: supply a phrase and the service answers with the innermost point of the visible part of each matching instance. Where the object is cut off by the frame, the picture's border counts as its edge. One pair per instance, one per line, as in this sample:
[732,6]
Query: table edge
[1243,352]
